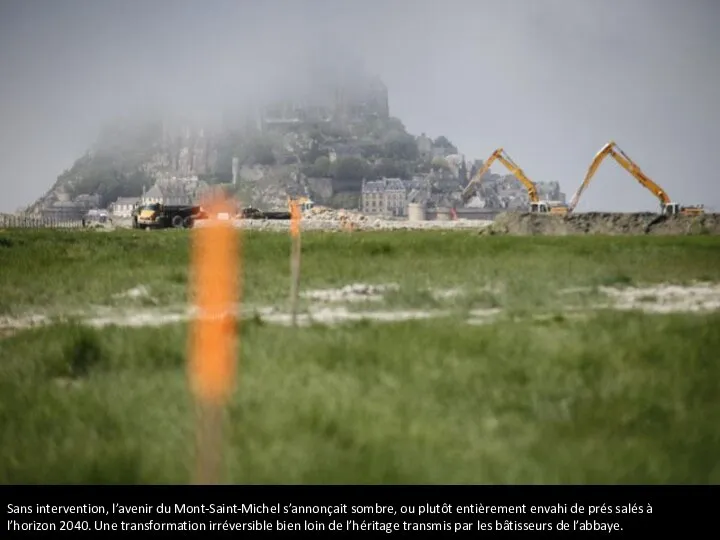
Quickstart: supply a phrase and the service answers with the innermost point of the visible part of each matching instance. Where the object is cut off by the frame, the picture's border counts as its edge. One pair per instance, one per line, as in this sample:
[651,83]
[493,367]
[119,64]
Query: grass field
[582,396]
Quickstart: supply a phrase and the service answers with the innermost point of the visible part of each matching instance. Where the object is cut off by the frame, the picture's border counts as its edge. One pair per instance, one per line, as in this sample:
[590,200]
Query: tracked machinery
[536,205]
[667,206]
[250,212]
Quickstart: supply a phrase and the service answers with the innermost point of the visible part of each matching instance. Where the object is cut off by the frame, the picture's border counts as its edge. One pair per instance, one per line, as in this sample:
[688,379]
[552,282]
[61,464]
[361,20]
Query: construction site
[437,346]
[294,287]
[546,217]
[535,216]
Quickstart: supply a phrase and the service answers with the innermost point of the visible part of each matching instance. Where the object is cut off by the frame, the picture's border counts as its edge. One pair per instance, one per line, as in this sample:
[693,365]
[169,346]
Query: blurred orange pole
[216,285]
[295,217]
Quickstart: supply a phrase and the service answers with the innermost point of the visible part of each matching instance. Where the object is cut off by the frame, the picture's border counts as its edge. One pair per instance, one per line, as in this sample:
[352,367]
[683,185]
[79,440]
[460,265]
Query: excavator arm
[612,149]
[511,166]
[520,175]
[469,189]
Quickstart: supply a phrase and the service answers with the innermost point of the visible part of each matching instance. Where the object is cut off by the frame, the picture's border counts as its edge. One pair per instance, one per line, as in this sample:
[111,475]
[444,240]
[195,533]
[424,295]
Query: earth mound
[529,224]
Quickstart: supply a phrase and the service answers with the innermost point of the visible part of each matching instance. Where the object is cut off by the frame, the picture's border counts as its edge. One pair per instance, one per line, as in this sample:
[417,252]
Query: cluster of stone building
[390,197]
[170,190]
[185,154]
[167,190]
[66,208]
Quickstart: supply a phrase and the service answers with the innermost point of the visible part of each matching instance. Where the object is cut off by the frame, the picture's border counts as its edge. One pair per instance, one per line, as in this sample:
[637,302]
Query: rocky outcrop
[321,149]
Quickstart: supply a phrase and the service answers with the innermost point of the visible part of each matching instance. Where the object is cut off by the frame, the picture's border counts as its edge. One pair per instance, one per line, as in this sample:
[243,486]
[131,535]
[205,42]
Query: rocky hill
[323,149]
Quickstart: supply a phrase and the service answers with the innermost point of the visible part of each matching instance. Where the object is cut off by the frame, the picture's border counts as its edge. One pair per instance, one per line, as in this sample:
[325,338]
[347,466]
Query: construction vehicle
[136,214]
[536,205]
[251,212]
[162,216]
[667,207]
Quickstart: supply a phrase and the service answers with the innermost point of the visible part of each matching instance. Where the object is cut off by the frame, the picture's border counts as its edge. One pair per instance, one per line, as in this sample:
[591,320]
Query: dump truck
[162,216]
[535,206]
[667,206]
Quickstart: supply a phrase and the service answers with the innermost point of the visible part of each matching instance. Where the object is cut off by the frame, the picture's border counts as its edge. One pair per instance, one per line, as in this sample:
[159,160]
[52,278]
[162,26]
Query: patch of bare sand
[141,291]
[666,298]
[355,292]
[336,315]
[10,325]
[660,298]
[663,298]
[483,316]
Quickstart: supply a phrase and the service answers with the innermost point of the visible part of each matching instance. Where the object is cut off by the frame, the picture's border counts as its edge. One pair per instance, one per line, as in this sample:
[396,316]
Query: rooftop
[126,200]
[386,184]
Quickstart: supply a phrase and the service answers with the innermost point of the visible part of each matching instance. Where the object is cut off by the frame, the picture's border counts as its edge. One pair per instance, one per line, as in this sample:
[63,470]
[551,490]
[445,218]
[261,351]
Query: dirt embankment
[526,224]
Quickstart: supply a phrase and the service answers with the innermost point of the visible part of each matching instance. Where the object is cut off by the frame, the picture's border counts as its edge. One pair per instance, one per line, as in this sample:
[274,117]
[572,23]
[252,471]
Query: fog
[551,81]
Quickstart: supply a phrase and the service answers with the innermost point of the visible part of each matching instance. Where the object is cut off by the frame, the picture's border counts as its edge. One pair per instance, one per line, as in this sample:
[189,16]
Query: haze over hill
[551,88]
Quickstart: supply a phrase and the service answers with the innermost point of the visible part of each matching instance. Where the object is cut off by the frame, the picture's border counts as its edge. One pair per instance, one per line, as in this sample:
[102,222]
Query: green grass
[609,398]
[52,270]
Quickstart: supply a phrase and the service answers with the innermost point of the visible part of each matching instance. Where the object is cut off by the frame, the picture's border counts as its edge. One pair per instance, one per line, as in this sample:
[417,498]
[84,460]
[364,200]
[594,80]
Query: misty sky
[551,81]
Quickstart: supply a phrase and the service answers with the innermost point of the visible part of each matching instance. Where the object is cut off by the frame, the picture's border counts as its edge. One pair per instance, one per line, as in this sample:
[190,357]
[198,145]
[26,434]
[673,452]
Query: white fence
[32,222]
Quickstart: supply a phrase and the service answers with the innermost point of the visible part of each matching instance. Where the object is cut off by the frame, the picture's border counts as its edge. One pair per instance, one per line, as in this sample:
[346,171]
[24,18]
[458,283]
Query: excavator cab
[671,209]
[539,207]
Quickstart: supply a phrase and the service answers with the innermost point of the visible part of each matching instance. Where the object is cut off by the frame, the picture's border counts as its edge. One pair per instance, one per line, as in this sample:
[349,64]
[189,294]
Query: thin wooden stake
[209,443]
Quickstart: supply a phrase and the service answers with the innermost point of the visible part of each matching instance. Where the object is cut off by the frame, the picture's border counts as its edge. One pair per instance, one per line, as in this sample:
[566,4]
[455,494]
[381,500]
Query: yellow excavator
[667,207]
[536,205]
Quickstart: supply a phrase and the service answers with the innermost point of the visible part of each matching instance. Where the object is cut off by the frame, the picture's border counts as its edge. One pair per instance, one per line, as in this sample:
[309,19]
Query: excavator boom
[629,165]
[594,164]
[467,192]
[612,149]
[520,175]
[511,166]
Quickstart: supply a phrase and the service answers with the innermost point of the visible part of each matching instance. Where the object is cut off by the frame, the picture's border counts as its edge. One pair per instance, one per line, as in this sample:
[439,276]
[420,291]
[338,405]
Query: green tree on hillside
[261,152]
[443,142]
[111,183]
[400,146]
[371,150]
[320,169]
[389,168]
[350,171]
[393,124]
[314,152]
[322,166]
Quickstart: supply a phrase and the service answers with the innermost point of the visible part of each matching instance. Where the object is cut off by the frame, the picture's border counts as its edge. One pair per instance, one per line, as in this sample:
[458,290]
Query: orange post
[215,282]
[295,217]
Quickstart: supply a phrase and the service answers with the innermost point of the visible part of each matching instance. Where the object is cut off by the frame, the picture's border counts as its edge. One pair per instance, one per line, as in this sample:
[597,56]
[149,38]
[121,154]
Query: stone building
[386,197]
[172,194]
[64,208]
[175,191]
[124,206]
